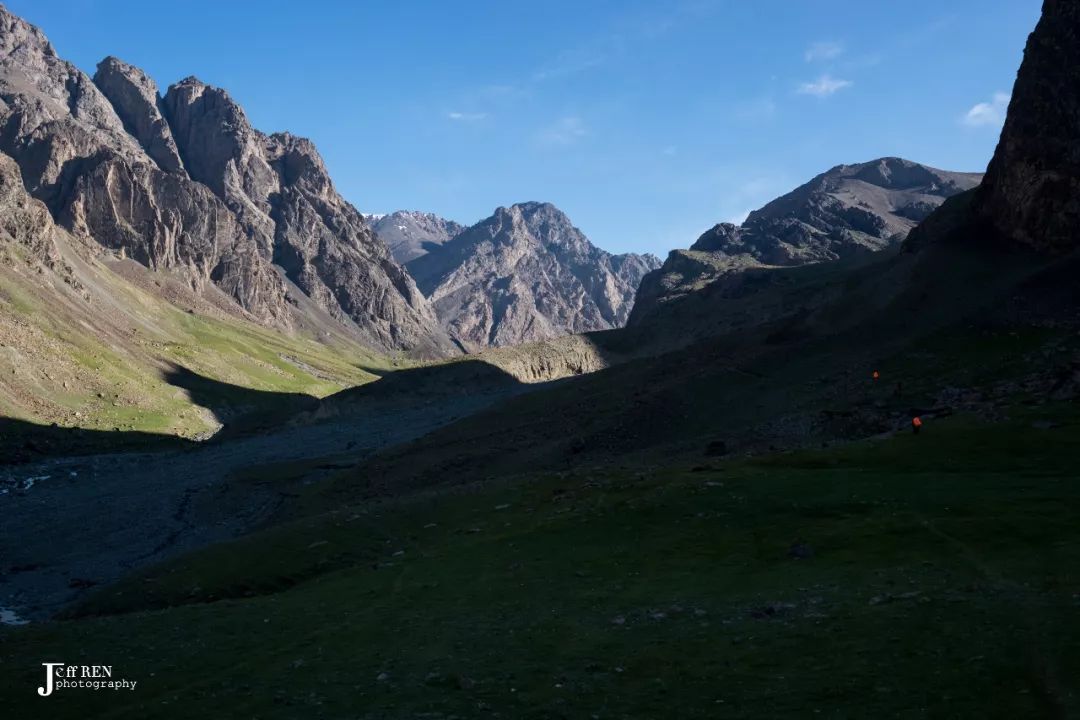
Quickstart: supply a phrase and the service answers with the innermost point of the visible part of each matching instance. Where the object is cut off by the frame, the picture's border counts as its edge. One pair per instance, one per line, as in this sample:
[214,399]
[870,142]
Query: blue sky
[646,122]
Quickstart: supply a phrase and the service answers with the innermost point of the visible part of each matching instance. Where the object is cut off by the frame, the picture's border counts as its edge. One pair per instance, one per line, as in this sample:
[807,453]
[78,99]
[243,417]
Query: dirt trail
[70,524]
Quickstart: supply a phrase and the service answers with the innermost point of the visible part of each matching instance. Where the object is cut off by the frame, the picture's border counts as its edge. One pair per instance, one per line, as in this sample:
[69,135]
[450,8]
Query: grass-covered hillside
[928,576]
[113,348]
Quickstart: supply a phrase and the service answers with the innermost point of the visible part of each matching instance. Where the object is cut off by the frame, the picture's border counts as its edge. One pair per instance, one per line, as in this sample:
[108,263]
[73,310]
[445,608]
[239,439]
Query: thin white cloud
[466,116]
[824,86]
[823,51]
[988,114]
[670,150]
[565,131]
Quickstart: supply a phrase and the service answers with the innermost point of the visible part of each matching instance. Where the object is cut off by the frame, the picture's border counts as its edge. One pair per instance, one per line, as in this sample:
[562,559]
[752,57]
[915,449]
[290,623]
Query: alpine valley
[272,457]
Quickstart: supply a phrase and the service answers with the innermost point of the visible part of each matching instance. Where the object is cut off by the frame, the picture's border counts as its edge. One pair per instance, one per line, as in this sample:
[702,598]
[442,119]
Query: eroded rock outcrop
[24,220]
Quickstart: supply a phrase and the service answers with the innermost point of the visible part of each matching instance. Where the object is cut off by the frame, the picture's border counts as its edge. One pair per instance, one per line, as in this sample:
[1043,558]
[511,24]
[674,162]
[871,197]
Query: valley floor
[107,514]
[913,576]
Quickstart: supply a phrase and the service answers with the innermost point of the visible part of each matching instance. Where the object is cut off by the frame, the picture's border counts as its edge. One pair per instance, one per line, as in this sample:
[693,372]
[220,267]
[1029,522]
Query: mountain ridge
[184,182]
[844,212]
[524,274]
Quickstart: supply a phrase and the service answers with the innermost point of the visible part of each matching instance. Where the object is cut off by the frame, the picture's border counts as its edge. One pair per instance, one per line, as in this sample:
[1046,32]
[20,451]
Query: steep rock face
[1031,194]
[526,273]
[327,249]
[76,155]
[186,183]
[135,97]
[221,150]
[411,234]
[53,116]
[163,220]
[281,193]
[848,211]
[24,220]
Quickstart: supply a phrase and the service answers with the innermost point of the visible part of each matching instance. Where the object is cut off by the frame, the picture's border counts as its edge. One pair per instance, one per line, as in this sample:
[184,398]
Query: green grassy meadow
[929,576]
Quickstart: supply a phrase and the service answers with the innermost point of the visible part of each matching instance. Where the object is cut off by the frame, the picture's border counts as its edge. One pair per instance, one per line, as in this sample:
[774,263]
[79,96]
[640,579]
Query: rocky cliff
[526,273]
[847,211]
[411,234]
[185,183]
[1031,194]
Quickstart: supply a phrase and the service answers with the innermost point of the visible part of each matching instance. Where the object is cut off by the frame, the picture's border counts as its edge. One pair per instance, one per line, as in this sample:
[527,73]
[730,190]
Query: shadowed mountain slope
[1031,194]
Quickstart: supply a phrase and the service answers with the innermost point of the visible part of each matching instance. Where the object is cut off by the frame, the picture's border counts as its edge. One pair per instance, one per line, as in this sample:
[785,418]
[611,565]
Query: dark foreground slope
[796,379]
[909,577]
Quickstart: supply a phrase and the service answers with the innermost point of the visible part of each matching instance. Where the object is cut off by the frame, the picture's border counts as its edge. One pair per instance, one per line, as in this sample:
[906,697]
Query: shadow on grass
[245,411]
[240,410]
[22,441]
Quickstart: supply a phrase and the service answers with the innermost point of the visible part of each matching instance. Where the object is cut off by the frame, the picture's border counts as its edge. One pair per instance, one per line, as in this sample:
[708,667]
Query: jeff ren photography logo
[86,677]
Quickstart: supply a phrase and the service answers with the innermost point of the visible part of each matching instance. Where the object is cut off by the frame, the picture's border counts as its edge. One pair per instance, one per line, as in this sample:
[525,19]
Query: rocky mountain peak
[718,238]
[846,211]
[526,273]
[215,139]
[543,222]
[22,41]
[895,173]
[135,97]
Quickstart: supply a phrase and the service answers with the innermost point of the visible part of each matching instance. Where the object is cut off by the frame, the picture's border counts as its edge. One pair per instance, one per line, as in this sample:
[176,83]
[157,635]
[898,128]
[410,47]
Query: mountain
[411,234]
[183,183]
[848,211]
[524,274]
[1030,197]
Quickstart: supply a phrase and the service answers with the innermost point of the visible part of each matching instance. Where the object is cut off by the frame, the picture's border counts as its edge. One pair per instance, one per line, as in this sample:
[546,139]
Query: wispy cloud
[565,131]
[986,114]
[466,116]
[824,86]
[825,50]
